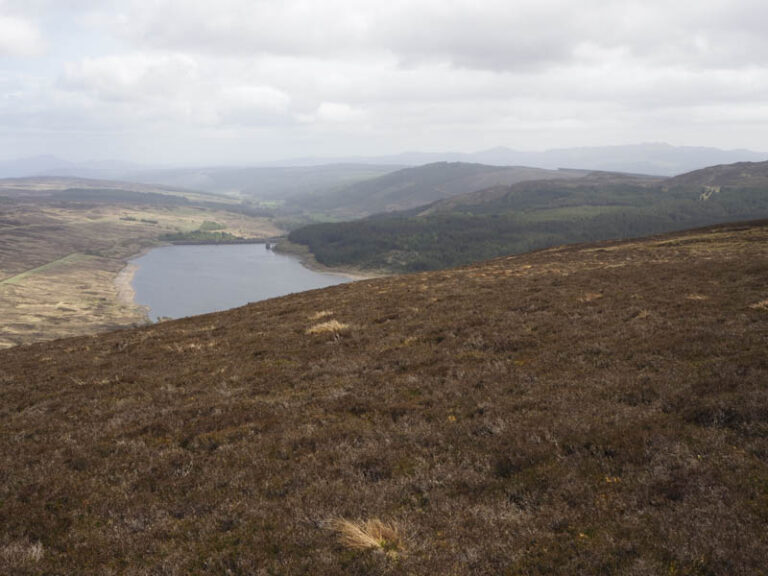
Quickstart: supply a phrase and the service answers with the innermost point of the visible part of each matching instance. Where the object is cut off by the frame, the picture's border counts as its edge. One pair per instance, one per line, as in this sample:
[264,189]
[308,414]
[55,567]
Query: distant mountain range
[48,165]
[265,178]
[264,183]
[654,159]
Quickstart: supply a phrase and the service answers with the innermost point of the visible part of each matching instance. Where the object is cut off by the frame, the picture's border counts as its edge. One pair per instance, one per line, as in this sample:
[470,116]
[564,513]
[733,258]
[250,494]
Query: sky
[239,81]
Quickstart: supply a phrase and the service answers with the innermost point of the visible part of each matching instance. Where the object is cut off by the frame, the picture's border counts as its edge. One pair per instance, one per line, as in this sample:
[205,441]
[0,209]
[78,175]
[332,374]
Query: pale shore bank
[308,260]
[126,296]
[124,284]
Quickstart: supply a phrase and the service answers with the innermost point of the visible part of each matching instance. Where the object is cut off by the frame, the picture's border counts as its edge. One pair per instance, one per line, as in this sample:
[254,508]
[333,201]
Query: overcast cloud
[240,81]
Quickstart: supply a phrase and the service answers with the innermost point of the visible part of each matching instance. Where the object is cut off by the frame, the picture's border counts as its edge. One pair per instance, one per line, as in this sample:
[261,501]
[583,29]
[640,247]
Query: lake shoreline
[123,282]
[218,243]
[308,260]
[133,291]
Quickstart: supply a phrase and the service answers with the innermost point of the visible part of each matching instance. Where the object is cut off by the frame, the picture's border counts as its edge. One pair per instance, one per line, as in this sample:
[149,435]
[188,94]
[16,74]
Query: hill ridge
[533,214]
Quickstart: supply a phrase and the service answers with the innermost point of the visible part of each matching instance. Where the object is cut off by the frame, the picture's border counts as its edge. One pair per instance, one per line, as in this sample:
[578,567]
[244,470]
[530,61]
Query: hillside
[594,188]
[412,187]
[533,215]
[275,184]
[260,183]
[738,175]
[595,409]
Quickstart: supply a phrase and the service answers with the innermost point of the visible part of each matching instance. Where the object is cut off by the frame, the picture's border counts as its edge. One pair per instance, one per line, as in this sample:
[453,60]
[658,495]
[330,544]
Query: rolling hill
[273,184]
[648,158]
[594,409]
[278,184]
[740,174]
[537,214]
[411,187]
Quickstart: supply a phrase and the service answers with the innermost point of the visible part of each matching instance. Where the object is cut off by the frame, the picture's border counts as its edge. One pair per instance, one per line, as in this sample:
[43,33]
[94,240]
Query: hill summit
[593,409]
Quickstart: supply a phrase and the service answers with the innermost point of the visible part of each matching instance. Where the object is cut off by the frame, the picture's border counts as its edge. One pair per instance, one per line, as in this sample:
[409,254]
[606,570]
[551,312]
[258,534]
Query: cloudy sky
[204,81]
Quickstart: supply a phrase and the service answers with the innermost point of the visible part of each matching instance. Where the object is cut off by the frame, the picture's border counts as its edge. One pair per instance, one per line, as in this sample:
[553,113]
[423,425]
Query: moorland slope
[594,409]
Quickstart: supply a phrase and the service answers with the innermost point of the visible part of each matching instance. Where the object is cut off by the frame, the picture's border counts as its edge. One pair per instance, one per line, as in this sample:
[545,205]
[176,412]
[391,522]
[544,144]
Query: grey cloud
[19,37]
[494,34]
[243,78]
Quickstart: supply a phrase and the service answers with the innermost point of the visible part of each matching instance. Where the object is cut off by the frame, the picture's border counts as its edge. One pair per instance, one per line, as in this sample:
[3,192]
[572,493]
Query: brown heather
[570,411]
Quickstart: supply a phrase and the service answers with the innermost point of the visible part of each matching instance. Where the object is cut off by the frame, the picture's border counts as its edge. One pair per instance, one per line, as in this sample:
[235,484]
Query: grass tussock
[368,535]
[21,553]
[320,314]
[329,327]
[591,297]
[762,305]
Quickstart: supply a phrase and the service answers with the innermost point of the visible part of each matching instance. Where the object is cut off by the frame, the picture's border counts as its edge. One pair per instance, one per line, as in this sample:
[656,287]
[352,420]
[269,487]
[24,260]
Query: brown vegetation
[506,418]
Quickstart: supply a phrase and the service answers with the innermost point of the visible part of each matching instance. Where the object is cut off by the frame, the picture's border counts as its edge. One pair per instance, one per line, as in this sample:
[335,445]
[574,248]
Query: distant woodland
[530,216]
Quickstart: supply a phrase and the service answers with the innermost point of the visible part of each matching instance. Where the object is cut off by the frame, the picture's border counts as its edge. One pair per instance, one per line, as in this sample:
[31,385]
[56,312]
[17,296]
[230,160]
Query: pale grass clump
[762,305]
[22,553]
[697,297]
[331,326]
[320,314]
[590,297]
[368,535]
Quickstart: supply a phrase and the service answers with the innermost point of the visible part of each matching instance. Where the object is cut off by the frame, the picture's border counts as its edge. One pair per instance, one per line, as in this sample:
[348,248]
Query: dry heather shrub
[333,326]
[368,534]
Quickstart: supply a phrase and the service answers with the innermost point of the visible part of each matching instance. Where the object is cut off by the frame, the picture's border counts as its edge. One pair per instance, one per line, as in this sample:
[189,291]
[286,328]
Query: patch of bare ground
[498,419]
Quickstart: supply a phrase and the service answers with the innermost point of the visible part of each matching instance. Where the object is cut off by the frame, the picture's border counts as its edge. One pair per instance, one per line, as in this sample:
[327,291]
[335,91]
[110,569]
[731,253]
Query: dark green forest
[525,217]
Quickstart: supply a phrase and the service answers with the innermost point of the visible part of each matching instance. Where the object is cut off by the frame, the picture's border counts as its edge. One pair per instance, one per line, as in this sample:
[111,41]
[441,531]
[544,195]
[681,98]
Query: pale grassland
[73,297]
[70,259]
[59,263]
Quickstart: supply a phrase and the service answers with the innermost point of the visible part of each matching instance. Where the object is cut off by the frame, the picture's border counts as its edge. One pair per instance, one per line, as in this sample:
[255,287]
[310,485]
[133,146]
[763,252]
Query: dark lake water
[178,281]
